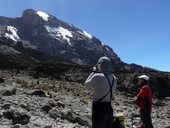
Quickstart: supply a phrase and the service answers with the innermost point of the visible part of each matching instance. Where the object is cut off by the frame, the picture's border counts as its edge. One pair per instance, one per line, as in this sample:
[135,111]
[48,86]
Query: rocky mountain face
[21,55]
[50,35]
[45,33]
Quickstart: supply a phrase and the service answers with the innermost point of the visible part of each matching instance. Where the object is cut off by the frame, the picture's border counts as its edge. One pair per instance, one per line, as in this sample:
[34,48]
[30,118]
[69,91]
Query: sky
[138,31]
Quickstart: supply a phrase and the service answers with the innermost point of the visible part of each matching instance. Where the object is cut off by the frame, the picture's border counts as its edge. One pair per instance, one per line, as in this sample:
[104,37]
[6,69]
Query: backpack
[118,121]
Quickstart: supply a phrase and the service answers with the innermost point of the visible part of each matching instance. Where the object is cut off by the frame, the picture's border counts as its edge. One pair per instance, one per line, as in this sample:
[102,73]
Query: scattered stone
[54,113]
[38,93]
[60,104]
[83,121]
[8,91]
[51,103]
[48,126]
[16,116]
[46,108]
[1,115]
[6,106]
[2,80]
[16,126]
[67,114]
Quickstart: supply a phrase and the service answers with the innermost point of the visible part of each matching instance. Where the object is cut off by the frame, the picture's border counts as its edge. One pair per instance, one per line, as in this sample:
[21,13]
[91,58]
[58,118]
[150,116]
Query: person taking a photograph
[104,84]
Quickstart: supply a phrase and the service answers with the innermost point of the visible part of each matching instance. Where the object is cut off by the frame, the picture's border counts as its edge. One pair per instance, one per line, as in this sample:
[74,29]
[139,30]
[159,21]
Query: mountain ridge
[47,34]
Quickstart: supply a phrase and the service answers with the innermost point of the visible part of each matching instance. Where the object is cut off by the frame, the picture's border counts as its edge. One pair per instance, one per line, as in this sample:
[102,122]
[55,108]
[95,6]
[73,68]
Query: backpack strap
[110,85]
[110,90]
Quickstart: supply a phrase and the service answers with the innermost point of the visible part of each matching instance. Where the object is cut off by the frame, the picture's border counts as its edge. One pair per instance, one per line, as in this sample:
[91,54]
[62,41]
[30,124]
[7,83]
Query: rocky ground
[37,102]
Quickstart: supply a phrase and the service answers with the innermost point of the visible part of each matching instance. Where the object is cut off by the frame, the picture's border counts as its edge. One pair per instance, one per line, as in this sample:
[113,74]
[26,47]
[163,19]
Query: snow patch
[60,32]
[107,49]
[12,33]
[103,44]
[43,15]
[87,34]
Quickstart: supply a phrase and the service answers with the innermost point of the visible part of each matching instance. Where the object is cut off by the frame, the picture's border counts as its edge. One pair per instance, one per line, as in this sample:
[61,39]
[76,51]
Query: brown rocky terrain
[54,97]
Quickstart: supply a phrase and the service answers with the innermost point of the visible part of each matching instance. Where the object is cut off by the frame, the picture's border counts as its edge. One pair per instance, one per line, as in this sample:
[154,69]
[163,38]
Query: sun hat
[145,77]
[104,64]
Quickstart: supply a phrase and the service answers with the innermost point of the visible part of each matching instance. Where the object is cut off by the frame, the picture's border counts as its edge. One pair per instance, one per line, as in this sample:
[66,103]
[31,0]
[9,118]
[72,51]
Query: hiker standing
[103,84]
[144,101]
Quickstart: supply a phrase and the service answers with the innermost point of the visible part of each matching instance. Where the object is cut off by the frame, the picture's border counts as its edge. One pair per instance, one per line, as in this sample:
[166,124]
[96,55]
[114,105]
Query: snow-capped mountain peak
[43,15]
[44,32]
